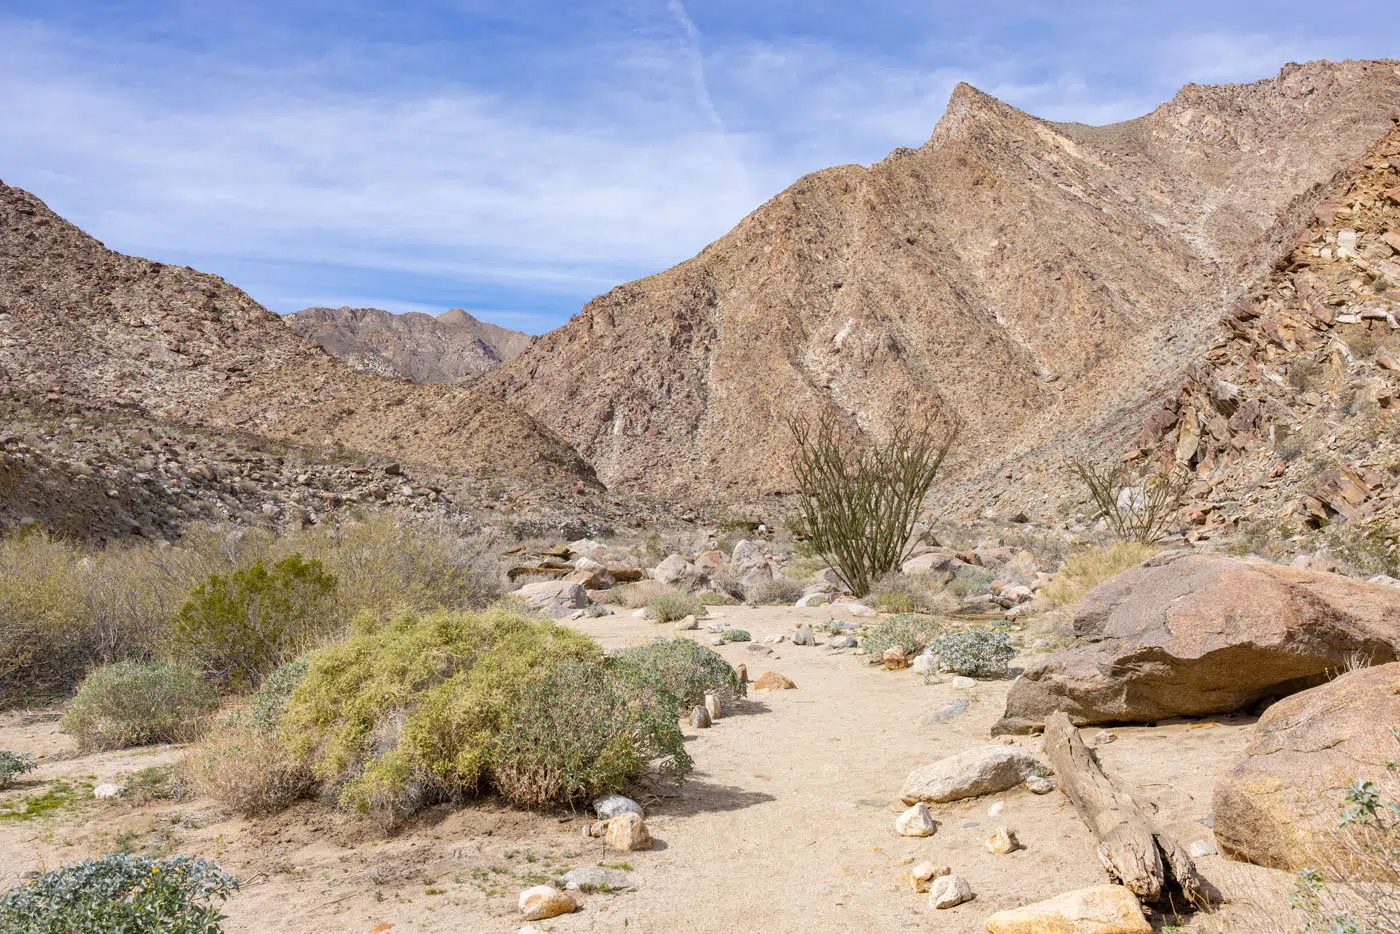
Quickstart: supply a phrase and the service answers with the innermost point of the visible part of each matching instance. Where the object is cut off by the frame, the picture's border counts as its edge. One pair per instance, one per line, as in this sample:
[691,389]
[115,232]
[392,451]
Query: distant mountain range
[449,348]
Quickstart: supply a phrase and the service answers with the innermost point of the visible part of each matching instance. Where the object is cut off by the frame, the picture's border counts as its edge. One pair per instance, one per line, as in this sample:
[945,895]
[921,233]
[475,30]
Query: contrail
[697,64]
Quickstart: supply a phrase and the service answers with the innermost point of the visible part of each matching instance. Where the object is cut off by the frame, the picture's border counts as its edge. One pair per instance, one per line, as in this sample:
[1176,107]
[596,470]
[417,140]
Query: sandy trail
[785,826]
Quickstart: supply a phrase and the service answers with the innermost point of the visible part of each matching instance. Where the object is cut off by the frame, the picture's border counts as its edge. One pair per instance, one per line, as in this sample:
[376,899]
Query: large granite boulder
[677,571]
[1281,804]
[1192,635]
[555,599]
[750,564]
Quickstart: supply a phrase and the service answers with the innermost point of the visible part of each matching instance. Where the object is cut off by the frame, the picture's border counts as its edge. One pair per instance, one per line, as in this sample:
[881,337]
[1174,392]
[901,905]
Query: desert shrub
[674,605]
[858,503]
[637,595]
[406,713]
[385,563]
[780,591]
[906,593]
[137,703]
[685,668]
[911,632]
[710,598]
[248,769]
[736,635]
[977,651]
[726,583]
[1085,570]
[13,765]
[1137,509]
[270,700]
[120,893]
[1370,547]
[46,640]
[969,581]
[237,628]
[581,730]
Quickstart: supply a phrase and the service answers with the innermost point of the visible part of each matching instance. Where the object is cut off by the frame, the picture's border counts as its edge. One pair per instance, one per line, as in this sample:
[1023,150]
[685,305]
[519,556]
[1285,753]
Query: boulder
[985,770]
[591,574]
[1279,805]
[714,706]
[1193,635]
[555,599]
[676,571]
[1103,909]
[596,877]
[894,658]
[610,806]
[812,599]
[588,548]
[545,901]
[711,563]
[750,564]
[1002,841]
[930,564]
[915,822]
[949,891]
[772,681]
[921,875]
[700,718]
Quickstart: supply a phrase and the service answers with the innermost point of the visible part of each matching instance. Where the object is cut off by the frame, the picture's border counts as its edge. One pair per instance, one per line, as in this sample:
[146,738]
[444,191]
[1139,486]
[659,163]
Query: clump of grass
[674,605]
[134,704]
[1085,570]
[911,632]
[779,591]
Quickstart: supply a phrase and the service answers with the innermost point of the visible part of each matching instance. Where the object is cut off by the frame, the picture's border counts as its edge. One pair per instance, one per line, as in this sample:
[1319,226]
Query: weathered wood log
[1134,851]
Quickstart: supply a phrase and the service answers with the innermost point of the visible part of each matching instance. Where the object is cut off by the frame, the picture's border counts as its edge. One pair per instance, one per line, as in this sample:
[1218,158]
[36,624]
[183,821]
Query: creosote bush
[120,893]
[911,632]
[858,504]
[685,668]
[13,765]
[977,651]
[138,703]
[674,605]
[239,627]
[1085,570]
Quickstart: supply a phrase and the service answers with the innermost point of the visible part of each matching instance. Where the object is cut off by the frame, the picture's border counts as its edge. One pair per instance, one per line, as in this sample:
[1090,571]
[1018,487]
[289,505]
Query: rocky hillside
[85,329]
[1036,277]
[448,348]
[1290,415]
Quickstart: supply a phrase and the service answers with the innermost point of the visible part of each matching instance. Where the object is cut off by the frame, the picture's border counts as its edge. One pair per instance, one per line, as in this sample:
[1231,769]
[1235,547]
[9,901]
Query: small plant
[13,765]
[977,652]
[907,593]
[711,598]
[237,628]
[971,581]
[736,635]
[1085,570]
[685,668]
[912,632]
[248,770]
[669,607]
[137,703]
[1137,509]
[121,892]
[780,591]
[858,504]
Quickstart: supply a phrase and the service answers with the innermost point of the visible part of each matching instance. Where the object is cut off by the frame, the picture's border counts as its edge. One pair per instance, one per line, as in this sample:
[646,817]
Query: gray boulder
[985,770]
[555,599]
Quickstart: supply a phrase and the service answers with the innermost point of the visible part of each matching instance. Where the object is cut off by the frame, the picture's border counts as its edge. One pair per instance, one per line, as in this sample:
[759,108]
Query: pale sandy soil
[785,826]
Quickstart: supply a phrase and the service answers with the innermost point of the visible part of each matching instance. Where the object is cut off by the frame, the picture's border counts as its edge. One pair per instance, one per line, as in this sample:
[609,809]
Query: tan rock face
[772,681]
[1103,909]
[1203,634]
[1280,804]
[545,901]
[894,659]
[1011,267]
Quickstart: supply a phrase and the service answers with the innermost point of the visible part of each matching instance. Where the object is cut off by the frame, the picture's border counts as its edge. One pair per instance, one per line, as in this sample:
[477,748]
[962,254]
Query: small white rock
[1104,737]
[108,790]
[963,683]
[1039,785]
[1201,848]
[948,891]
[610,806]
[995,810]
[915,822]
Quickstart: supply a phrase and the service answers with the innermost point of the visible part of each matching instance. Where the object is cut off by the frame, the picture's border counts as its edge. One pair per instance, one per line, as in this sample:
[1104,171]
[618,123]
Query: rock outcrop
[1280,805]
[1190,635]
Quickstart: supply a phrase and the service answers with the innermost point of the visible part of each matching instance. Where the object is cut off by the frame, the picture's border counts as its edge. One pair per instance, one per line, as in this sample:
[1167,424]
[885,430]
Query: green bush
[404,714]
[685,668]
[911,632]
[736,635]
[583,729]
[237,628]
[272,695]
[12,765]
[977,651]
[137,703]
[120,893]
[669,607]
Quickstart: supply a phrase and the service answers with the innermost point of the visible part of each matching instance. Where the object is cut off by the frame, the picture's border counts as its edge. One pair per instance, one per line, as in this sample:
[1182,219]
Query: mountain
[1041,279]
[448,348]
[86,331]
[1288,419]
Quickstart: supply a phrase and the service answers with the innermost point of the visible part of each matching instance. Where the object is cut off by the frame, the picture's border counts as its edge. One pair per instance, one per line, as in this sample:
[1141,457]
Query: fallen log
[1135,852]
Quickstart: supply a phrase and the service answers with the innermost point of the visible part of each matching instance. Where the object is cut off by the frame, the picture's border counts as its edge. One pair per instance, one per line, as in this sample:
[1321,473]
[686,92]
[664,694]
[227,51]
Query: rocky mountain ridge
[449,348]
[1035,277]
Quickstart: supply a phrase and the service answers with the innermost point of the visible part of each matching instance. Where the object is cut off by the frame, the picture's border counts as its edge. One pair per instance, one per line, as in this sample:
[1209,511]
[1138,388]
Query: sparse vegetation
[674,605]
[736,635]
[780,591]
[1137,508]
[137,703]
[912,632]
[239,627]
[685,668]
[969,581]
[120,892]
[905,593]
[1085,570]
[858,504]
[977,651]
[13,765]
[638,595]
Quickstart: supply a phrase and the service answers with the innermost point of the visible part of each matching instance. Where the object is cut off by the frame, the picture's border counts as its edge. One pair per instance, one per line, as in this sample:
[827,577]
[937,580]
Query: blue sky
[519,158]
